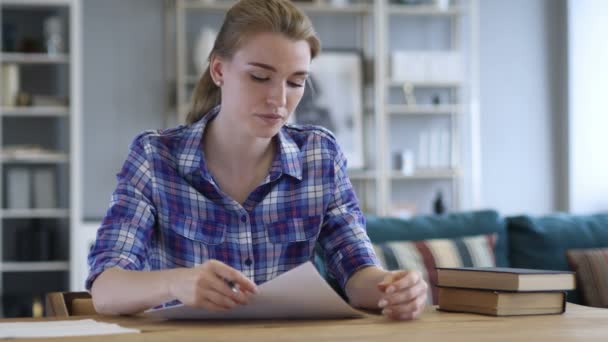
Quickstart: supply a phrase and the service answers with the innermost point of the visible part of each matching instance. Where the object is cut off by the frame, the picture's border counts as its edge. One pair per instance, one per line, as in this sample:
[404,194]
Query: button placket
[247,261]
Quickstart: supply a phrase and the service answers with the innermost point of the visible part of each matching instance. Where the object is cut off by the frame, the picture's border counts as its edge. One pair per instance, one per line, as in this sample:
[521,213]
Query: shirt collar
[190,155]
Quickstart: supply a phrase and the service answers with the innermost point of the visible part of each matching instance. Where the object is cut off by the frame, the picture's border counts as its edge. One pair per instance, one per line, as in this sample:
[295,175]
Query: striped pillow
[424,256]
[591,267]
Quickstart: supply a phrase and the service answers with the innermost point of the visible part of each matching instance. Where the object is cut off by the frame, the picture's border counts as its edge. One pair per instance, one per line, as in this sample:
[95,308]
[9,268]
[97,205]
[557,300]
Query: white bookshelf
[373,22]
[59,124]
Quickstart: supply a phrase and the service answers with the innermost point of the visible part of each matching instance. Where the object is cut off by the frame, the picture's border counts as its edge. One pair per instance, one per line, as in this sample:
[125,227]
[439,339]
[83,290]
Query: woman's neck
[232,150]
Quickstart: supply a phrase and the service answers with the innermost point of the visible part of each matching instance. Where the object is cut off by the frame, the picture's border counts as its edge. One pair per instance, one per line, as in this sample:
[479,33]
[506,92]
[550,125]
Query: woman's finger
[404,311]
[404,296]
[230,274]
[220,300]
[221,286]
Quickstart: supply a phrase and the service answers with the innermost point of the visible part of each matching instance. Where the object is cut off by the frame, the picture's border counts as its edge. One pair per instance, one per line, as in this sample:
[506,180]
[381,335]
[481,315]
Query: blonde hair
[244,18]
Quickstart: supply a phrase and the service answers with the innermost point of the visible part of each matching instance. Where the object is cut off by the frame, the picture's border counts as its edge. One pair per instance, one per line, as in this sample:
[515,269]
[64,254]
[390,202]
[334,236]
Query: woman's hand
[206,286]
[404,295]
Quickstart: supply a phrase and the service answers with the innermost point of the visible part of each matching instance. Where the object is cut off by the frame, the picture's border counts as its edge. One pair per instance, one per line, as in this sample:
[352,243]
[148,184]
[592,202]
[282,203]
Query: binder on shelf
[18,188]
[44,188]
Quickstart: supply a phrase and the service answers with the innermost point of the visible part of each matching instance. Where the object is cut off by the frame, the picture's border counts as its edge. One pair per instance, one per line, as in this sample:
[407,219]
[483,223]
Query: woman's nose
[278,96]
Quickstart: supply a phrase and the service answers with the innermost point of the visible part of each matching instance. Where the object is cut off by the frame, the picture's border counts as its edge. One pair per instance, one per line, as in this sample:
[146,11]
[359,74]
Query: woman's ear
[216,69]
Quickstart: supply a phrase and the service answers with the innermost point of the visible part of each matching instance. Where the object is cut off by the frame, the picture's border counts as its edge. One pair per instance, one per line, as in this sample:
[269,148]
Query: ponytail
[206,96]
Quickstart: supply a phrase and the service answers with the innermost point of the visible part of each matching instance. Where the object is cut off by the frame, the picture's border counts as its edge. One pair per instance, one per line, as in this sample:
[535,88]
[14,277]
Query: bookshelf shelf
[34,266]
[35,111]
[34,58]
[34,213]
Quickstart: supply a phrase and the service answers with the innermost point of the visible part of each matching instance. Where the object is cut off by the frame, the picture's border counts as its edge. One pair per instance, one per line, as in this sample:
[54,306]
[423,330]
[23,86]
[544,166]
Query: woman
[237,195]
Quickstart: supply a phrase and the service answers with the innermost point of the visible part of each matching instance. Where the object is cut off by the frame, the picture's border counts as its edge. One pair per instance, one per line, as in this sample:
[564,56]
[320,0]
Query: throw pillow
[591,267]
[425,255]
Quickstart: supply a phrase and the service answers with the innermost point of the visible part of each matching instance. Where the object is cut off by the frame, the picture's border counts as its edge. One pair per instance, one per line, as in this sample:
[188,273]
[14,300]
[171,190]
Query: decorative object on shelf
[53,35]
[10,84]
[337,101]
[202,49]
[37,308]
[436,100]
[407,162]
[408,92]
[18,187]
[44,188]
[438,205]
[24,99]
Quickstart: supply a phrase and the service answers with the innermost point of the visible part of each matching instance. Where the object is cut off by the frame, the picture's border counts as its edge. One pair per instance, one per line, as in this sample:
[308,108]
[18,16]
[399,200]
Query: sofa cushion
[542,242]
[424,256]
[455,225]
[591,267]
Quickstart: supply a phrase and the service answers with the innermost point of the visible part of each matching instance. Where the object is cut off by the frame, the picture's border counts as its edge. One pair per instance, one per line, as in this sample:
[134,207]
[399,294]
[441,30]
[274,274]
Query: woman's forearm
[117,291]
[362,289]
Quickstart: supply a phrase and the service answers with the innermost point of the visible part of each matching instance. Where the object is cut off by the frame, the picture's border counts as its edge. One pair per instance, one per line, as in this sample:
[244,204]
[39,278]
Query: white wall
[522,44]
[588,122]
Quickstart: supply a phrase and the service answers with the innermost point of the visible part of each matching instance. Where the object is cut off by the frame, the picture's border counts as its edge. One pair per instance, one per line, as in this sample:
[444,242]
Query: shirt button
[248,262]
[244,218]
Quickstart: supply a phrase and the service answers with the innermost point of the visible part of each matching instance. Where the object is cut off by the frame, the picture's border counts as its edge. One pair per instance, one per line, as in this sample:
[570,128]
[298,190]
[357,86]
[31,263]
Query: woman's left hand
[404,294]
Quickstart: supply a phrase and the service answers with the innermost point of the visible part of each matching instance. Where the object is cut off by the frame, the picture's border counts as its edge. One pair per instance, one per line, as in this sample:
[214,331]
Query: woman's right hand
[205,286]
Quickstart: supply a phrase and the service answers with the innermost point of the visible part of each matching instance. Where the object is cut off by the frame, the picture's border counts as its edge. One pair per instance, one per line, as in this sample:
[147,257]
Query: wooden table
[579,323]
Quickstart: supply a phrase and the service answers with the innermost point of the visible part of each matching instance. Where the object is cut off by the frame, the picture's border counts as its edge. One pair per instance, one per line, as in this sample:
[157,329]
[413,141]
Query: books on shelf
[507,279]
[500,303]
[503,291]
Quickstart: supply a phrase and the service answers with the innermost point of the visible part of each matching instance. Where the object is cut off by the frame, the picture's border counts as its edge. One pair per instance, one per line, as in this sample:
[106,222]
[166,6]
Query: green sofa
[522,241]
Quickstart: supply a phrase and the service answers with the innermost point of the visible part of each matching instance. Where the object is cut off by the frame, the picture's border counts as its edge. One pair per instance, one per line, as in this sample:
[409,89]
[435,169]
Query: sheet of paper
[84,327]
[300,293]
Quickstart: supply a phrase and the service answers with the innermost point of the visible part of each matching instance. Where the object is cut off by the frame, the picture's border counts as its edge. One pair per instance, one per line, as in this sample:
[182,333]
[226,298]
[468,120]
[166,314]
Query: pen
[233,286]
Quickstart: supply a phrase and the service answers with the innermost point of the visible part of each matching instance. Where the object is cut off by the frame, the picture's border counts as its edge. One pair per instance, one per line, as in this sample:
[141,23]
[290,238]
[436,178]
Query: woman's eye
[259,79]
[295,84]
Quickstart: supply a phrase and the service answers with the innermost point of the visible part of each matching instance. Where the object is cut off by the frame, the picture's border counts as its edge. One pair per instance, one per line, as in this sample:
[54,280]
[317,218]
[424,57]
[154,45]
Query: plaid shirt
[167,211]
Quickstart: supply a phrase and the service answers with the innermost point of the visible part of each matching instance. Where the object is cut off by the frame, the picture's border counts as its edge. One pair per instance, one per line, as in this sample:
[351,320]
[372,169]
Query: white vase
[203,46]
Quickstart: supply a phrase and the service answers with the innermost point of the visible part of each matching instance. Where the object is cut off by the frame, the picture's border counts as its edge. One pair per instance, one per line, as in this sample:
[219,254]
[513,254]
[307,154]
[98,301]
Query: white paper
[300,293]
[84,327]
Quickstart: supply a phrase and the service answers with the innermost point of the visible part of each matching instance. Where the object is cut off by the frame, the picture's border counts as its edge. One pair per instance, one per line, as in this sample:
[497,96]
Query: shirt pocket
[294,229]
[197,229]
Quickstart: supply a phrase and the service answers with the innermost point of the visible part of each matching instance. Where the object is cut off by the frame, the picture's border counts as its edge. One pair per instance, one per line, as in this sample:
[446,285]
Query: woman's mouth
[271,119]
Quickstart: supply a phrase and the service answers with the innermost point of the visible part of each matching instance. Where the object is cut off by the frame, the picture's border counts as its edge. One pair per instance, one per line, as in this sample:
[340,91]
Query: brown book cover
[499,303]
[505,279]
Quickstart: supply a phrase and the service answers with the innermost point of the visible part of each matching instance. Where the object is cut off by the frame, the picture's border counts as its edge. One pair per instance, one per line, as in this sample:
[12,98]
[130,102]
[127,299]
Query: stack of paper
[85,327]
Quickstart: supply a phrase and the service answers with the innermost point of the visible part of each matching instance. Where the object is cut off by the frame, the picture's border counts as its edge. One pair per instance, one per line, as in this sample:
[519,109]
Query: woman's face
[263,83]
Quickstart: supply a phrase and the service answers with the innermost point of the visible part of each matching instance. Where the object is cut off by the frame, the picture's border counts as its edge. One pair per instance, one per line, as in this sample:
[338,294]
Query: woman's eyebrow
[273,69]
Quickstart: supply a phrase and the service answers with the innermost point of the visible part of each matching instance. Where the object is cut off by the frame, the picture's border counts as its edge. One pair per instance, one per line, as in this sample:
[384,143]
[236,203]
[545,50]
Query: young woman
[236,194]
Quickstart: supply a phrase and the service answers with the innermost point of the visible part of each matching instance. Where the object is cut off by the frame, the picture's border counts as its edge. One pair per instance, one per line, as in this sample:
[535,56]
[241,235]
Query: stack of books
[503,291]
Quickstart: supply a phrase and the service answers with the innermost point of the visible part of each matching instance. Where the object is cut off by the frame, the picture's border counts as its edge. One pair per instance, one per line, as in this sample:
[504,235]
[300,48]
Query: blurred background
[440,105]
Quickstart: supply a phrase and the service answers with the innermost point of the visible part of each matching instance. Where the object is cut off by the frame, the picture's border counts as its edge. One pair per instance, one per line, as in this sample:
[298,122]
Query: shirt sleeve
[343,237]
[129,222]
